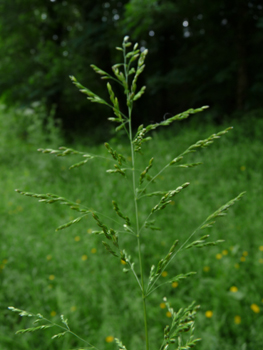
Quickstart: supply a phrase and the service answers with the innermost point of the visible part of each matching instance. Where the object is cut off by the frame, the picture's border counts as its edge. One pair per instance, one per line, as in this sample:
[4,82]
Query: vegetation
[42,42]
[223,317]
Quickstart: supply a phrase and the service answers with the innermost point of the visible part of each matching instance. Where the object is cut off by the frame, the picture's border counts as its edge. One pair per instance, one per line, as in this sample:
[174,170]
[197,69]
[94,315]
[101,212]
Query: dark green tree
[201,51]
[43,42]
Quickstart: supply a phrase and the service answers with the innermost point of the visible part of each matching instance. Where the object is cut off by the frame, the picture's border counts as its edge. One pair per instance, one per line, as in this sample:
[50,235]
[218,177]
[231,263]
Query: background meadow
[69,272]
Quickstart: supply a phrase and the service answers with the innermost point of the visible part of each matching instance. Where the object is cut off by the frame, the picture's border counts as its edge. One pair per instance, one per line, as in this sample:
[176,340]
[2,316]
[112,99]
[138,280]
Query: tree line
[201,52]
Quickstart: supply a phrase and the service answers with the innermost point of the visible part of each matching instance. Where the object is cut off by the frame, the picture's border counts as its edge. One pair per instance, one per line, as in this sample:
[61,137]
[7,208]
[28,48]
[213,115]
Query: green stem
[129,105]
[69,331]
[151,289]
[136,277]
[166,166]
[138,237]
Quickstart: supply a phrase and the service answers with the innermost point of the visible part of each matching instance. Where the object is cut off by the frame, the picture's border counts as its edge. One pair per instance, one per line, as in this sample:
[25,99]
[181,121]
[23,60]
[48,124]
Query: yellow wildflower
[164,273]
[93,250]
[51,277]
[109,339]
[255,308]
[49,257]
[77,238]
[84,257]
[225,252]
[243,168]
[206,268]
[209,314]
[233,289]
[237,319]
[242,259]
[162,305]
[261,248]
[53,313]
[89,230]
[219,256]
[175,284]
[168,314]
[73,308]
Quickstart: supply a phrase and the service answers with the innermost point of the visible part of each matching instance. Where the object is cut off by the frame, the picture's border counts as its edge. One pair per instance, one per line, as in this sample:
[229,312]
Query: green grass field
[69,272]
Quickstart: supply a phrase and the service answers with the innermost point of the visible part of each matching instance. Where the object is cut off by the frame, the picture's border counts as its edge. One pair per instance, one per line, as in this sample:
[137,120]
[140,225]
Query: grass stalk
[138,234]
[182,322]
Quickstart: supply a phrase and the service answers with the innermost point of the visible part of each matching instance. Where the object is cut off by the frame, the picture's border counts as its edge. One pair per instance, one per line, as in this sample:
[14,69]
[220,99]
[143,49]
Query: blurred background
[201,52]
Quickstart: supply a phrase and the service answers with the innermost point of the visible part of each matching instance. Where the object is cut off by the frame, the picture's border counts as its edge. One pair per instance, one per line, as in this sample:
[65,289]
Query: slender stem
[108,217]
[145,222]
[151,289]
[154,179]
[68,331]
[138,239]
[129,233]
[129,104]
[136,277]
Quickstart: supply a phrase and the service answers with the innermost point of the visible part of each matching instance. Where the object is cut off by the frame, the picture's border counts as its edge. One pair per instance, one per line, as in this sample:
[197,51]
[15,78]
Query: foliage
[186,41]
[182,322]
[31,124]
[43,41]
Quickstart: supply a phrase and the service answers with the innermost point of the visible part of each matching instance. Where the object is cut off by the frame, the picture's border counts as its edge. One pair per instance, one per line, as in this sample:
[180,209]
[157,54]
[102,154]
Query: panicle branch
[180,332]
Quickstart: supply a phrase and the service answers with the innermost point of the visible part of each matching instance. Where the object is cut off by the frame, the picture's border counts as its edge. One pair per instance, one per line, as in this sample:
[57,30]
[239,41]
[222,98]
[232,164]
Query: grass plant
[132,236]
